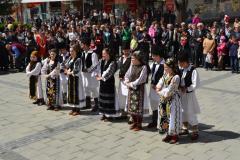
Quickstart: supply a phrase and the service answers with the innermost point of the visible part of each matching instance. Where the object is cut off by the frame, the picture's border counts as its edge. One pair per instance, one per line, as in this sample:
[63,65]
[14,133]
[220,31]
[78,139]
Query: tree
[6,7]
[181,7]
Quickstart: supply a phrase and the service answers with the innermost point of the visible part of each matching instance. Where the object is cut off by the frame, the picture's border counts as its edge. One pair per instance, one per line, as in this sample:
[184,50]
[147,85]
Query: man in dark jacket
[18,53]
[4,61]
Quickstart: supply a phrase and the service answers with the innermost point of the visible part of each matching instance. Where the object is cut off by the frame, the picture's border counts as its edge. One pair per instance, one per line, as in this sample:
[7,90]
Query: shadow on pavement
[207,135]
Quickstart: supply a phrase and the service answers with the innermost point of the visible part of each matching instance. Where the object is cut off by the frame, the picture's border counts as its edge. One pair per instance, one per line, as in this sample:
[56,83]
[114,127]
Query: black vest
[104,67]
[87,61]
[188,77]
[158,75]
[124,67]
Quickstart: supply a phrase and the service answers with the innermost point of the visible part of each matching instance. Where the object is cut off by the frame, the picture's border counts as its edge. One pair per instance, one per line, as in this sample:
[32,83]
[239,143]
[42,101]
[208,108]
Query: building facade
[208,9]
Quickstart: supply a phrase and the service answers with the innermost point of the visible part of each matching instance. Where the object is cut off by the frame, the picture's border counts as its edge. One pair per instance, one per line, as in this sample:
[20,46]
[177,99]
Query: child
[157,69]
[135,79]
[233,53]
[33,71]
[170,108]
[189,83]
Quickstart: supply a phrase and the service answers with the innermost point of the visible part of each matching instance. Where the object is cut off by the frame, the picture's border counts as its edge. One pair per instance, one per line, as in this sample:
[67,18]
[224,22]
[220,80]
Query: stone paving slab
[33,133]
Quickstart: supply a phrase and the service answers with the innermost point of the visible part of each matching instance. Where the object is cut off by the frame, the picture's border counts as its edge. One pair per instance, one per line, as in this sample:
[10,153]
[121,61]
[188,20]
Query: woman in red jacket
[222,51]
[41,40]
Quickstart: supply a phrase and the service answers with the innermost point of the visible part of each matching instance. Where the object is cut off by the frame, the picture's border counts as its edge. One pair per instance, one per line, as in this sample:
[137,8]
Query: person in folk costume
[137,100]
[189,83]
[76,94]
[107,99]
[157,70]
[89,61]
[33,71]
[170,108]
[124,63]
[51,69]
[64,56]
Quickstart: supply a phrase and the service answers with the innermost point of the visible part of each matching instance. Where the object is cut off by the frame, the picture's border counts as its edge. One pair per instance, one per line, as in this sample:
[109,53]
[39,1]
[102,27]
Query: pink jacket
[196,20]
[152,31]
[222,49]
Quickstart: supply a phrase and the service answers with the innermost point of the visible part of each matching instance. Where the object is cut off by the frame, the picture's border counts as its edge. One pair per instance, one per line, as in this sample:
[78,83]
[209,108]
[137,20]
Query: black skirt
[73,93]
[107,97]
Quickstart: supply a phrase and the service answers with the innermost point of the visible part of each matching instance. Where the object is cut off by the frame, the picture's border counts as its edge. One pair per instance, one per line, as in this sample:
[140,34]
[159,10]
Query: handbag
[238,53]
[208,58]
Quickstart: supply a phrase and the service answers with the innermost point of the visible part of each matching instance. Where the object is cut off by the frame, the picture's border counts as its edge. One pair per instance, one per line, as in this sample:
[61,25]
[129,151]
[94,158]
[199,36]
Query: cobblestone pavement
[28,132]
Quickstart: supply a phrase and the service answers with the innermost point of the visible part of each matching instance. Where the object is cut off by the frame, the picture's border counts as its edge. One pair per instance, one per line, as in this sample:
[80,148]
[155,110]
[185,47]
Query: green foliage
[2,26]
[28,26]
[6,7]
[15,24]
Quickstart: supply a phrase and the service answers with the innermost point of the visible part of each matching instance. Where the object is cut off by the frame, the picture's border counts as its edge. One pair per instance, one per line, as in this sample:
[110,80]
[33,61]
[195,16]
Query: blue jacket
[233,49]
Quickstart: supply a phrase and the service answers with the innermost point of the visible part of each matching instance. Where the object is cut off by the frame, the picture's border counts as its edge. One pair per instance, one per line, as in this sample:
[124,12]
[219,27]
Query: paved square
[28,132]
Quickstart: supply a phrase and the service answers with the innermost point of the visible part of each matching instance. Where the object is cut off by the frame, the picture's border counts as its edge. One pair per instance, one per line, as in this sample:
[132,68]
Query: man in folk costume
[124,63]
[189,83]
[157,70]
[89,61]
[135,79]
[64,56]
[33,71]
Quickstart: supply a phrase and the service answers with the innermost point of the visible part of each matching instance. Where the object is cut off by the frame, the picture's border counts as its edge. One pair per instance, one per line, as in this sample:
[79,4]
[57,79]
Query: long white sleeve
[35,71]
[28,69]
[94,59]
[141,79]
[195,81]
[95,62]
[128,74]
[56,71]
[109,72]
[172,88]
[44,68]
[160,83]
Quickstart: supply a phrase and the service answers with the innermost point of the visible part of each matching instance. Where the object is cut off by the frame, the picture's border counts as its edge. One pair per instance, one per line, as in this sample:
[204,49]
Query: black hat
[86,41]
[156,50]
[125,45]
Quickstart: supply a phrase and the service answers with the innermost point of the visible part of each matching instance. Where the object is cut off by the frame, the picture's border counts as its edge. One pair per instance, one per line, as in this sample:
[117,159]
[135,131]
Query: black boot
[153,124]
[41,102]
[64,98]
[95,108]
[88,103]
[37,101]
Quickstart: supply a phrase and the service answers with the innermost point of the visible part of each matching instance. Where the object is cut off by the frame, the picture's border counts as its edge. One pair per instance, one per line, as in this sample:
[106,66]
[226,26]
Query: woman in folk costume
[51,69]
[107,102]
[124,63]
[76,93]
[33,71]
[189,83]
[170,108]
[135,79]
[157,69]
